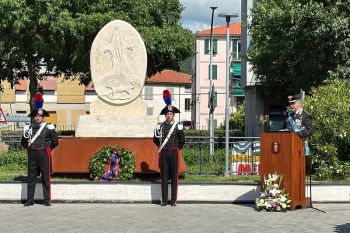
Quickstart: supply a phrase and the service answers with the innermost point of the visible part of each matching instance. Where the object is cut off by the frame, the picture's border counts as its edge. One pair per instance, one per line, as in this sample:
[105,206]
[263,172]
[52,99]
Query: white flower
[274,177]
[284,205]
[283,199]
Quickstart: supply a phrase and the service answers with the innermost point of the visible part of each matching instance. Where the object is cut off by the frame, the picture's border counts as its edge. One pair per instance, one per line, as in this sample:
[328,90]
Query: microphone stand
[310,185]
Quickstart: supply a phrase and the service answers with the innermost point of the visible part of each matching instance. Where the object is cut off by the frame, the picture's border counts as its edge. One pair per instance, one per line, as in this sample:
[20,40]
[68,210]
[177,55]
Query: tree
[56,35]
[186,66]
[236,121]
[329,106]
[299,43]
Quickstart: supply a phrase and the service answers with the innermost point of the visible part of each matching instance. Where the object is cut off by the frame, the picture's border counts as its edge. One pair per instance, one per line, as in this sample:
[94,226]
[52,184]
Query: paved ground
[89,217]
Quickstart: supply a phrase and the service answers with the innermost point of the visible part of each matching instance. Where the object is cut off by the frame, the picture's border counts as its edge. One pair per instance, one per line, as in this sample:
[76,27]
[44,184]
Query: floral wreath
[101,158]
[272,198]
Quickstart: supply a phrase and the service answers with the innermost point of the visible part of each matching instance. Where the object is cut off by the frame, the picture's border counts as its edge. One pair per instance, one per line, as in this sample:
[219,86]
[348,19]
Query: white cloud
[197,13]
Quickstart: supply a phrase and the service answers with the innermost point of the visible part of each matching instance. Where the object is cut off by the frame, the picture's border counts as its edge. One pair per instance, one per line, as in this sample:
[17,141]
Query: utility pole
[227,104]
[211,113]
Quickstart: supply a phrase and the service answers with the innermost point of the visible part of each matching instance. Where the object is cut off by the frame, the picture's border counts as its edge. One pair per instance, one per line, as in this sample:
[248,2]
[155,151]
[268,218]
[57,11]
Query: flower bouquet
[272,198]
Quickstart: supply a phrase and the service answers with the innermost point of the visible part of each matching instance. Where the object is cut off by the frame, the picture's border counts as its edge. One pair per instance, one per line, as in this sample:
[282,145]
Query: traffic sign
[2,117]
[17,118]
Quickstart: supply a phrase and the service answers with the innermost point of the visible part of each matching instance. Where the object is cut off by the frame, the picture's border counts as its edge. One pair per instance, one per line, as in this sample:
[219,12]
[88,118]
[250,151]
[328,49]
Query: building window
[206,46]
[49,92]
[187,104]
[236,81]
[148,93]
[90,93]
[215,72]
[236,49]
[149,111]
[20,92]
[239,101]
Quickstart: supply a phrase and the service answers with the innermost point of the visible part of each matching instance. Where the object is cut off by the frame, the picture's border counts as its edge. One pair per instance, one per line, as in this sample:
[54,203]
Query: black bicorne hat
[40,111]
[169,108]
[294,98]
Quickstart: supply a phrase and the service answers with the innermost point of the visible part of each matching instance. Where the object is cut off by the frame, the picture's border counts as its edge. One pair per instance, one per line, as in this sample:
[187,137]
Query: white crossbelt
[167,137]
[36,135]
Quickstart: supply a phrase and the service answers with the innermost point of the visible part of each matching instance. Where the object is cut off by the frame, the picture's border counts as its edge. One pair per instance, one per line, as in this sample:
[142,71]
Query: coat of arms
[275,147]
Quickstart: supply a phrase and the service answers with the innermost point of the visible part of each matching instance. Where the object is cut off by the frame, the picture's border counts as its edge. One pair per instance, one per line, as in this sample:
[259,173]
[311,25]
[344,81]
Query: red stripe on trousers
[50,170]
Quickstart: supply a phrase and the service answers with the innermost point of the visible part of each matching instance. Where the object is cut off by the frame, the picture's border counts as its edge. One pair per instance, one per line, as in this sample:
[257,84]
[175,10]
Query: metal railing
[244,156]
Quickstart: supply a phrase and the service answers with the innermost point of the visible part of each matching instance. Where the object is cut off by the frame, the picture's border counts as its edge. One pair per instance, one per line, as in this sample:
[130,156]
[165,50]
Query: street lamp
[227,104]
[211,115]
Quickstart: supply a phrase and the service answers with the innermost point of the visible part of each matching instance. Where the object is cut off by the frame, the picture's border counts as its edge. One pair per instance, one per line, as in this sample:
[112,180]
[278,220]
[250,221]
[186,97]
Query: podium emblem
[275,147]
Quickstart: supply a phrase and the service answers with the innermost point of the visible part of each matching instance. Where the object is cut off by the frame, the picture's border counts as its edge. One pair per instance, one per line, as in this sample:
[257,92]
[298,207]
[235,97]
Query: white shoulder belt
[36,135]
[167,137]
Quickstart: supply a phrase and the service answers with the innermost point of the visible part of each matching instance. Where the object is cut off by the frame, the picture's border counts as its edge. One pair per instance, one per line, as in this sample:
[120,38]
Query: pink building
[200,82]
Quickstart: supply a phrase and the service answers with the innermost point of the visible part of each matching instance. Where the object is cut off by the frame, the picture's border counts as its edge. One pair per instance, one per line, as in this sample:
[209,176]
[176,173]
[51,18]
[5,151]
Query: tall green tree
[299,43]
[329,106]
[56,35]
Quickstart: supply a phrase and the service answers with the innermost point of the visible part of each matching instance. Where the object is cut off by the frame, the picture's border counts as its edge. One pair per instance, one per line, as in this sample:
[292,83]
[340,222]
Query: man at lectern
[298,120]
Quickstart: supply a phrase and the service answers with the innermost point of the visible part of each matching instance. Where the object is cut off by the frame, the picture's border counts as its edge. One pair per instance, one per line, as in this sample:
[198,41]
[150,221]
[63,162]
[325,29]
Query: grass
[218,179]
[12,175]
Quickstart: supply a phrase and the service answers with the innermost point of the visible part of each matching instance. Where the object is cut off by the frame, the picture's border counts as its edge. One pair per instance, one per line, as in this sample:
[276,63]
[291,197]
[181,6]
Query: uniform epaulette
[159,124]
[180,126]
[50,126]
[26,128]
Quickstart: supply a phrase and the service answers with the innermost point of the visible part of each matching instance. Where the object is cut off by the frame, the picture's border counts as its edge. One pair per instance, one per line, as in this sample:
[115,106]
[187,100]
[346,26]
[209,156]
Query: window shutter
[215,72]
[206,46]
[215,46]
[234,49]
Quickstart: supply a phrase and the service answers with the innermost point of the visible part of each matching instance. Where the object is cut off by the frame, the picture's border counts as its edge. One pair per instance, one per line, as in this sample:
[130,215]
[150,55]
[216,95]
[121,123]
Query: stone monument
[118,61]
[118,116]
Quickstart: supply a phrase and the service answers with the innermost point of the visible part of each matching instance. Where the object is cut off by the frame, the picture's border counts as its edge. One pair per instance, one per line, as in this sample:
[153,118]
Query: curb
[150,192]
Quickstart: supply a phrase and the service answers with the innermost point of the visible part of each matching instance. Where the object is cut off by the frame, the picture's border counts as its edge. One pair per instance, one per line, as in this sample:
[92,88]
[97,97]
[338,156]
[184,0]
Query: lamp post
[211,115]
[227,102]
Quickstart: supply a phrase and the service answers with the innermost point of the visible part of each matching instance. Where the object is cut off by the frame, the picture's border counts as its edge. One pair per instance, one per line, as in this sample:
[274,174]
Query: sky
[197,13]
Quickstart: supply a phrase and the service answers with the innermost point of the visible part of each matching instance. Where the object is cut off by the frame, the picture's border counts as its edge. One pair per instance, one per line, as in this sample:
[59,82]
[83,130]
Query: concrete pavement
[109,217]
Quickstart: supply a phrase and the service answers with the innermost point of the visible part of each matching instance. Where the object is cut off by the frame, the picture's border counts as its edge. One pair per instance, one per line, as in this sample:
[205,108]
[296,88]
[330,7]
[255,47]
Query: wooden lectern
[283,152]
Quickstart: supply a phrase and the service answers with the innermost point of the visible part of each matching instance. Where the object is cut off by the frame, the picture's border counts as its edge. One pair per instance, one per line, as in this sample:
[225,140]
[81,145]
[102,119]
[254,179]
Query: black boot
[28,203]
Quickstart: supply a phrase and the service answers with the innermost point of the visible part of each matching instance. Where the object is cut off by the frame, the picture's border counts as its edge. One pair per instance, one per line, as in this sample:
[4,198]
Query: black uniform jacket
[177,138]
[306,123]
[47,138]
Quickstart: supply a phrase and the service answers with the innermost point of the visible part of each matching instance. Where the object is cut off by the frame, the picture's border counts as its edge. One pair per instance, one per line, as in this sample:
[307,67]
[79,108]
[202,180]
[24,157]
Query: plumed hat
[40,111]
[38,102]
[294,98]
[168,107]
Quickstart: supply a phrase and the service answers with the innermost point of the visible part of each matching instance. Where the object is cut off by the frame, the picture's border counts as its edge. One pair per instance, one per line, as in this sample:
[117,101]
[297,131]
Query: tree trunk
[33,86]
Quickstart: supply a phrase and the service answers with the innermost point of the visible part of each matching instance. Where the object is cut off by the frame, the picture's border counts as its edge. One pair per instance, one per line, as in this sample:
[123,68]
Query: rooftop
[235,29]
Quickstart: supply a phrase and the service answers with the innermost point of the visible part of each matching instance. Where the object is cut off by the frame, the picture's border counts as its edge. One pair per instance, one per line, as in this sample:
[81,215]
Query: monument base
[73,155]
[109,120]
[115,126]
[136,107]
